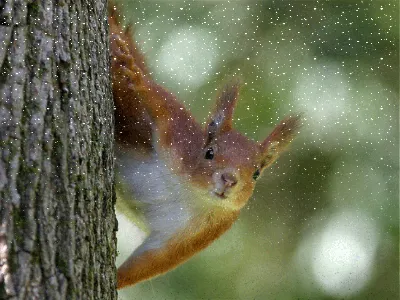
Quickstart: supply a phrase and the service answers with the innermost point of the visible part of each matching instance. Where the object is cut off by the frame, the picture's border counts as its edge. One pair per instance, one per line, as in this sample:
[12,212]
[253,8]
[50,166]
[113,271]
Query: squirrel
[190,181]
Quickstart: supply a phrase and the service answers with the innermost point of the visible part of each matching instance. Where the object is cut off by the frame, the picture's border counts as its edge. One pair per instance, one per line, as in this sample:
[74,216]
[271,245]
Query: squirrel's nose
[229,179]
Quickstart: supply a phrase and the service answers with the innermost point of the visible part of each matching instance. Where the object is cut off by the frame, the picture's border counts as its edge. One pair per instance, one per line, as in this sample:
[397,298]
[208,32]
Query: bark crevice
[57,221]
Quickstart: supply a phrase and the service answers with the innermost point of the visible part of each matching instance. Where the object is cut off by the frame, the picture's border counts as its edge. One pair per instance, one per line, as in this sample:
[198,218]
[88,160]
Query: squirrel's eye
[209,154]
[256,174]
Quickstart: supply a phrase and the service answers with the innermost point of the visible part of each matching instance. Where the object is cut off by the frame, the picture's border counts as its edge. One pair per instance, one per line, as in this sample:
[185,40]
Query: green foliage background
[338,63]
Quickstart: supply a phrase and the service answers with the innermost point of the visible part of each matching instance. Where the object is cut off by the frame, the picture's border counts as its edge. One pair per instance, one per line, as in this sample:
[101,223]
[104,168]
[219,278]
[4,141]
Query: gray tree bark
[57,220]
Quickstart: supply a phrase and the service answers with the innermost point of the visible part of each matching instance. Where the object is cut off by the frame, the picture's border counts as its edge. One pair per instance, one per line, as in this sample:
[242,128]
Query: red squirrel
[190,180]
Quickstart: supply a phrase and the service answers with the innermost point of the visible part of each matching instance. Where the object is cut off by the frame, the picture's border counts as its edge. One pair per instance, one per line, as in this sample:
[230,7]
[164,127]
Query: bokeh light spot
[342,262]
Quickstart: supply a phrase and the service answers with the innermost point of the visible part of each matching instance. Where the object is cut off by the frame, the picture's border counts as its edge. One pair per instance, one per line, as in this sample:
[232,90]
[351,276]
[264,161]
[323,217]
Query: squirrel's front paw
[123,66]
[120,51]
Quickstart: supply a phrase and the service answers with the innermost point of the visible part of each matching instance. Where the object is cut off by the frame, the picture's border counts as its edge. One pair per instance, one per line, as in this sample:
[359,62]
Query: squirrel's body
[170,211]
[190,181]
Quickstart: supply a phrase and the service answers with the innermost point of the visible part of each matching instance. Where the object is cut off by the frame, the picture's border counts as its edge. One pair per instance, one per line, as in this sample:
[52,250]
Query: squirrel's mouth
[220,195]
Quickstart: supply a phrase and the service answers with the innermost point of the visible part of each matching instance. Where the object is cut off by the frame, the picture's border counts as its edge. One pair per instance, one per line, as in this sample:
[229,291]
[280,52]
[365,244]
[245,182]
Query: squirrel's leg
[132,122]
[127,75]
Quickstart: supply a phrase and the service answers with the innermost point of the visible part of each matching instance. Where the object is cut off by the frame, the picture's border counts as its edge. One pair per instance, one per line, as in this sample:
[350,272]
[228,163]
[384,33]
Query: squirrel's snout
[225,182]
[228,179]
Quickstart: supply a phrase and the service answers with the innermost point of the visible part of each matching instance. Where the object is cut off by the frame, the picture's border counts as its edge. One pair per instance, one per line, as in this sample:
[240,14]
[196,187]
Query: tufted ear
[221,118]
[279,139]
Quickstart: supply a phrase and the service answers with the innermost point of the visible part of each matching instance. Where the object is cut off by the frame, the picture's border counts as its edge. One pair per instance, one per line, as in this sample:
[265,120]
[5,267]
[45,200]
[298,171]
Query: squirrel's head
[229,163]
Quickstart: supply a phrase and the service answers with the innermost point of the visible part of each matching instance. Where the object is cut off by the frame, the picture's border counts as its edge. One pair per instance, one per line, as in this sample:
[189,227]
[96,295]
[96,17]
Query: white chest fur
[165,199]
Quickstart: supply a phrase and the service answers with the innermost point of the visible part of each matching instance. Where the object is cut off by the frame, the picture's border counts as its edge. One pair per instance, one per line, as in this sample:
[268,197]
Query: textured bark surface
[57,221]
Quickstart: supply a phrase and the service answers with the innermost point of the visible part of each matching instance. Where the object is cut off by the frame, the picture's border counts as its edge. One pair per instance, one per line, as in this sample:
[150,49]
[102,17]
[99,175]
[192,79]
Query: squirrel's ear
[279,139]
[221,118]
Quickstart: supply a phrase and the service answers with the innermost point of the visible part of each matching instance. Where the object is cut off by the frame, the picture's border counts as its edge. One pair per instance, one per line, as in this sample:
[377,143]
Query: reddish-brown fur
[178,250]
[145,112]
[279,139]
[132,126]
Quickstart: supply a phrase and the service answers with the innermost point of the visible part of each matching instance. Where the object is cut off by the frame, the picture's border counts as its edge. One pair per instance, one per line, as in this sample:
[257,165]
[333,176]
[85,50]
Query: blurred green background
[323,222]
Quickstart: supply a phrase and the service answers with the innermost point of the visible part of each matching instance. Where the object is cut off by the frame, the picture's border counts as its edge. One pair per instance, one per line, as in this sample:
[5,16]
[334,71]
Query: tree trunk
[57,230]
